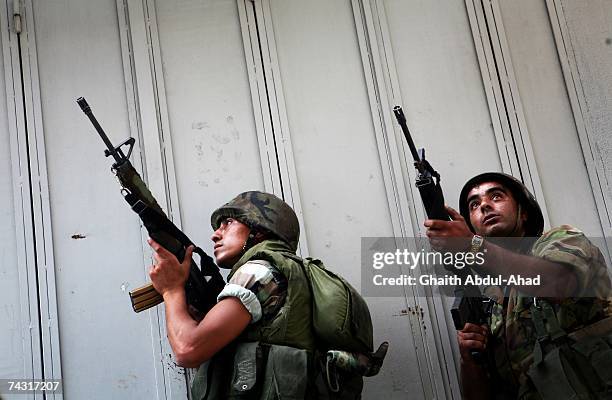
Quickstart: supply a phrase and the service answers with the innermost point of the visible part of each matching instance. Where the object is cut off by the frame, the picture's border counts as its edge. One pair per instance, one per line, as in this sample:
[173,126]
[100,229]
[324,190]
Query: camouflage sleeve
[569,246]
[260,287]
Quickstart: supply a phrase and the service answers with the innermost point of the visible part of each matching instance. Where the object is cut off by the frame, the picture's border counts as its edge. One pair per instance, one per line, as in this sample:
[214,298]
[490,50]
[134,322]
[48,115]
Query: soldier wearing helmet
[259,336]
[573,279]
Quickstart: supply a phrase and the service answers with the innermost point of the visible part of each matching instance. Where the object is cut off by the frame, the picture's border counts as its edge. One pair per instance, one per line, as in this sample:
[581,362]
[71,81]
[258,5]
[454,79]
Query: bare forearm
[179,324]
[195,342]
[557,280]
[474,382]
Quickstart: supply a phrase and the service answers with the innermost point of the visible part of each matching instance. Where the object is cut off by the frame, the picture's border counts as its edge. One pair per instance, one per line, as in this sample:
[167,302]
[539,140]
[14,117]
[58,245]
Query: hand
[449,235]
[472,337]
[167,274]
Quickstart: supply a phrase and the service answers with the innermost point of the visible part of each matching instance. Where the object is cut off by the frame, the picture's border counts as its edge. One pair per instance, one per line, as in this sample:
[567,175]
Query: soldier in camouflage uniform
[259,337]
[575,285]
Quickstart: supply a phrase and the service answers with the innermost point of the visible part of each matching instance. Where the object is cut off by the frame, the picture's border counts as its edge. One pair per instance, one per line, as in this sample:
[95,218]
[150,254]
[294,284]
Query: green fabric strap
[548,329]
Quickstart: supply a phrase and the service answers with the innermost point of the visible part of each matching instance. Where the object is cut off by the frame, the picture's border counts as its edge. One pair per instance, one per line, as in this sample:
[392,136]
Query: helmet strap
[517,222]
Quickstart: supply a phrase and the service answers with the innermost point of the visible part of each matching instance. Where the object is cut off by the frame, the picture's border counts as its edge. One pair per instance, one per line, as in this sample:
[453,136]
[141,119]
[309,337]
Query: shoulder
[564,238]
[571,247]
[259,285]
[255,272]
[561,231]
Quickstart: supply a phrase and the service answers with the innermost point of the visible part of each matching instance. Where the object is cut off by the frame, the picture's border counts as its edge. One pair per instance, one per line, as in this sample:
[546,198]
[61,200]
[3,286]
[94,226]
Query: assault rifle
[203,285]
[469,305]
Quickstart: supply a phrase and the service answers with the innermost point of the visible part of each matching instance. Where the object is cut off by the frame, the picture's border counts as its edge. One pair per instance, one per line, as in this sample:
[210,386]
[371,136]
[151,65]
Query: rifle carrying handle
[145,297]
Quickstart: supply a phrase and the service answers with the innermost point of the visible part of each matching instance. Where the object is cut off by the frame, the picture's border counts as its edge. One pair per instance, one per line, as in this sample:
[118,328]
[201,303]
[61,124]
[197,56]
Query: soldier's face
[494,212]
[229,240]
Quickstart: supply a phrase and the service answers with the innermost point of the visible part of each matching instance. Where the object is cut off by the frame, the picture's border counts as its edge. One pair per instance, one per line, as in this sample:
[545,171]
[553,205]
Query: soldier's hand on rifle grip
[472,338]
[448,235]
[167,274]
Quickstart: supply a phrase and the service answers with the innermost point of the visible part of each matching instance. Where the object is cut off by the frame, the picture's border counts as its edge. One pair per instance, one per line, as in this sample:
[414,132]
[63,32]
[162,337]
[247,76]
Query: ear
[524,216]
[259,236]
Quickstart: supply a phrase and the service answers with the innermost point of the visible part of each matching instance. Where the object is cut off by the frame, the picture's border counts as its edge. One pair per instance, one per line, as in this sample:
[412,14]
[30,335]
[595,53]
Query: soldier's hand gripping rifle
[202,286]
[469,305]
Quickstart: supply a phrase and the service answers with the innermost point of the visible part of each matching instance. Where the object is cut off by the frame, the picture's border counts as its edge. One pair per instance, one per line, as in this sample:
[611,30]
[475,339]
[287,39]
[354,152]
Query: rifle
[469,304]
[203,285]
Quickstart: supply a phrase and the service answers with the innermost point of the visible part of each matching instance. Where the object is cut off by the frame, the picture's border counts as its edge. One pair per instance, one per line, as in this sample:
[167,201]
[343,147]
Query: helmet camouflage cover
[264,211]
[535,220]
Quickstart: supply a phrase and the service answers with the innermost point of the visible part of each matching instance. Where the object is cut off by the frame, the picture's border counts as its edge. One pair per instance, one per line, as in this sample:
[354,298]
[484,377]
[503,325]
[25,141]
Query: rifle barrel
[401,119]
[87,110]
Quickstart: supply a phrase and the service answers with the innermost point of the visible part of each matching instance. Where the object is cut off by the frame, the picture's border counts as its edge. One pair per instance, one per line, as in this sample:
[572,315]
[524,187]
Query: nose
[485,205]
[216,236]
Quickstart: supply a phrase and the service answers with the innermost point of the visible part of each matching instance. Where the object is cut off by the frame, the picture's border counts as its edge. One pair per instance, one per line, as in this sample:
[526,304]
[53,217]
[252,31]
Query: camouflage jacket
[512,329]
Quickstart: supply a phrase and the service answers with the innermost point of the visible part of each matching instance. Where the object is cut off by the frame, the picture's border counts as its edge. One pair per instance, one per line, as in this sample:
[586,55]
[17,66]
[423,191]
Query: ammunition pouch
[260,371]
[576,366]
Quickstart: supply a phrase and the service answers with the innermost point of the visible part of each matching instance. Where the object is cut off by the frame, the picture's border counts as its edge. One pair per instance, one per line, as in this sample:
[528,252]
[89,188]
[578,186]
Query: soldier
[259,336]
[527,331]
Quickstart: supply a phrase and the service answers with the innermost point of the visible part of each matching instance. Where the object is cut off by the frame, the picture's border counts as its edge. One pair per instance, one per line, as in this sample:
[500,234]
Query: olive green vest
[290,333]
[292,326]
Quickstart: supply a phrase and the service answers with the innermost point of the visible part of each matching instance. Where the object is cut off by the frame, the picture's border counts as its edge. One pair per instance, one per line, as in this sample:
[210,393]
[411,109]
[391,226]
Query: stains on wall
[216,150]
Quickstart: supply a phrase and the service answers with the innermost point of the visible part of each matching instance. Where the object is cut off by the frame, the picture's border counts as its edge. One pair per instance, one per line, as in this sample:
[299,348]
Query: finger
[473,328]
[158,248]
[154,245]
[434,224]
[188,254]
[428,223]
[454,214]
[473,336]
[472,345]
[436,243]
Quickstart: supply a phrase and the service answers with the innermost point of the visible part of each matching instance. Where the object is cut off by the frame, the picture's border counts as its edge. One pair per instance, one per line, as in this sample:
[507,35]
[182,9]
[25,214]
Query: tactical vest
[292,325]
[273,358]
[569,366]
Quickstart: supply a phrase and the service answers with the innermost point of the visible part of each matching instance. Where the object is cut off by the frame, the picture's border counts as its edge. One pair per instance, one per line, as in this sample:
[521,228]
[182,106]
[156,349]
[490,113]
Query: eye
[496,195]
[226,222]
[473,205]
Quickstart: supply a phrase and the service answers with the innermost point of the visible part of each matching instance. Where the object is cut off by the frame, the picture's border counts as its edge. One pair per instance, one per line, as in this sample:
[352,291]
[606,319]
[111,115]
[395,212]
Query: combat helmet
[264,211]
[535,220]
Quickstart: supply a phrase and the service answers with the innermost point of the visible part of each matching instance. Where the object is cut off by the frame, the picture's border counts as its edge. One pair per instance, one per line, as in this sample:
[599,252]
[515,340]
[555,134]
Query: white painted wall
[549,116]
[186,78]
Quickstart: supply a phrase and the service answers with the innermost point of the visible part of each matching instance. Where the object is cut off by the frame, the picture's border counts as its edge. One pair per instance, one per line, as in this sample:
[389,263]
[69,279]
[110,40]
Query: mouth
[489,218]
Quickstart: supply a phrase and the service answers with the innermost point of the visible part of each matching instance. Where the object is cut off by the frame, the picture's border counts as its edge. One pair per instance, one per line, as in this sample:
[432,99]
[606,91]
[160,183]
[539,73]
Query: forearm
[180,326]
[557,280]
[474,382]
[196,342]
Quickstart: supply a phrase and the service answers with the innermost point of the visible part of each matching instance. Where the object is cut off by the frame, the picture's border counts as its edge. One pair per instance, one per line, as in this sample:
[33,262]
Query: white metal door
[211,119]
[350,158]
[31,331]
[19,325]
[107,350]
[223,96]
